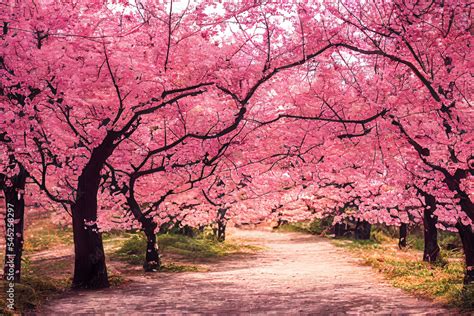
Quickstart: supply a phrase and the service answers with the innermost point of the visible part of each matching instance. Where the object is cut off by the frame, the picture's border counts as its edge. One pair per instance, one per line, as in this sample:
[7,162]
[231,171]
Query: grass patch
[37,284]
[294,228]
[357,244]
[116,280]
[44,235]
[441,282]
[315,227]
[32,292]
[173,267]
[199,247]
[449,242]
[132,249]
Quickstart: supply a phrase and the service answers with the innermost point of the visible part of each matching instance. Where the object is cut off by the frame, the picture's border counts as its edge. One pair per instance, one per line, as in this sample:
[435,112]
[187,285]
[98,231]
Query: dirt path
[295,273]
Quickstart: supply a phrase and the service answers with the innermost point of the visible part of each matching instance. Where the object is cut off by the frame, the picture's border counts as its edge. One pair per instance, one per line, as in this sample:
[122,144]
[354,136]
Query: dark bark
[362,230]
[152,257]
[453,183]
[340,229]
[221,224]
[467,238]
[431,250]
[281,222]
[221,231]
[402,240]
[14,225]
[90,271]
[187,231]
[467,235]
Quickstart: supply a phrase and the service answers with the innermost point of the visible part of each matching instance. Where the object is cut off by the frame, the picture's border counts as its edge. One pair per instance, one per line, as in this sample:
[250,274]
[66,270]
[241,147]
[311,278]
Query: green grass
[441,281]
[405,269]
[446,241]
[34,290]
[315,227]
[132,249]
[294,228]
[30,293]
[173,267]
[35,287]
[200,247]
[44,235]
[357,244]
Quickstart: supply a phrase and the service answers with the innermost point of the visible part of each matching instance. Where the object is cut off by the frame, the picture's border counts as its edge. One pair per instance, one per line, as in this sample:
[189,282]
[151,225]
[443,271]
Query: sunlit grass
[40,281]
[132,249]
[43,235]
[441,281]
[316,227]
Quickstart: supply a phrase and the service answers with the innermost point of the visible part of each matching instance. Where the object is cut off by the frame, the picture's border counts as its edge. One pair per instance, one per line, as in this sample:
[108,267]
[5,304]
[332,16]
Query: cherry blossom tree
[114,103]
[83,116]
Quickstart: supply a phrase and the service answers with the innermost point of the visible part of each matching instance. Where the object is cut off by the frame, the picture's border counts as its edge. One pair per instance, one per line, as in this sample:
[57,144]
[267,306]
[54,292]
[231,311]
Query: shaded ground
[296,273]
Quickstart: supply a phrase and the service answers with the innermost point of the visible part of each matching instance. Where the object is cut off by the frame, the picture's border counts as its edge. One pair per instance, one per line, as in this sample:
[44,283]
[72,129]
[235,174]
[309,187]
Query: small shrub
[321,226]
[465,297]
[450,241]
[315,227]
[379,236]
[293,228]
[132,250]
[116,280]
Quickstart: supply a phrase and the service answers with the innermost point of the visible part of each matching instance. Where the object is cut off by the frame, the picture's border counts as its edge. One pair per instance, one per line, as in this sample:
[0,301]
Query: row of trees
[198,113]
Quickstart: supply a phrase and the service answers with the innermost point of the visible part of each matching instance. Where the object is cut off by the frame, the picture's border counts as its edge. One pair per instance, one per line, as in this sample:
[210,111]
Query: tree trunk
[186,230]
[340,229]
[221,231]
[281,222]
[402,240]
[90,271]
[467,235]
[431,250]
[152,257]
[362,230]
[14,226]
[221,223]
[467,238]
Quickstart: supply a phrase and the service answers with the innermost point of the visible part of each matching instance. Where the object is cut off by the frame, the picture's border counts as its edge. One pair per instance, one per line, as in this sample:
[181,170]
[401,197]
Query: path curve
[296,273]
